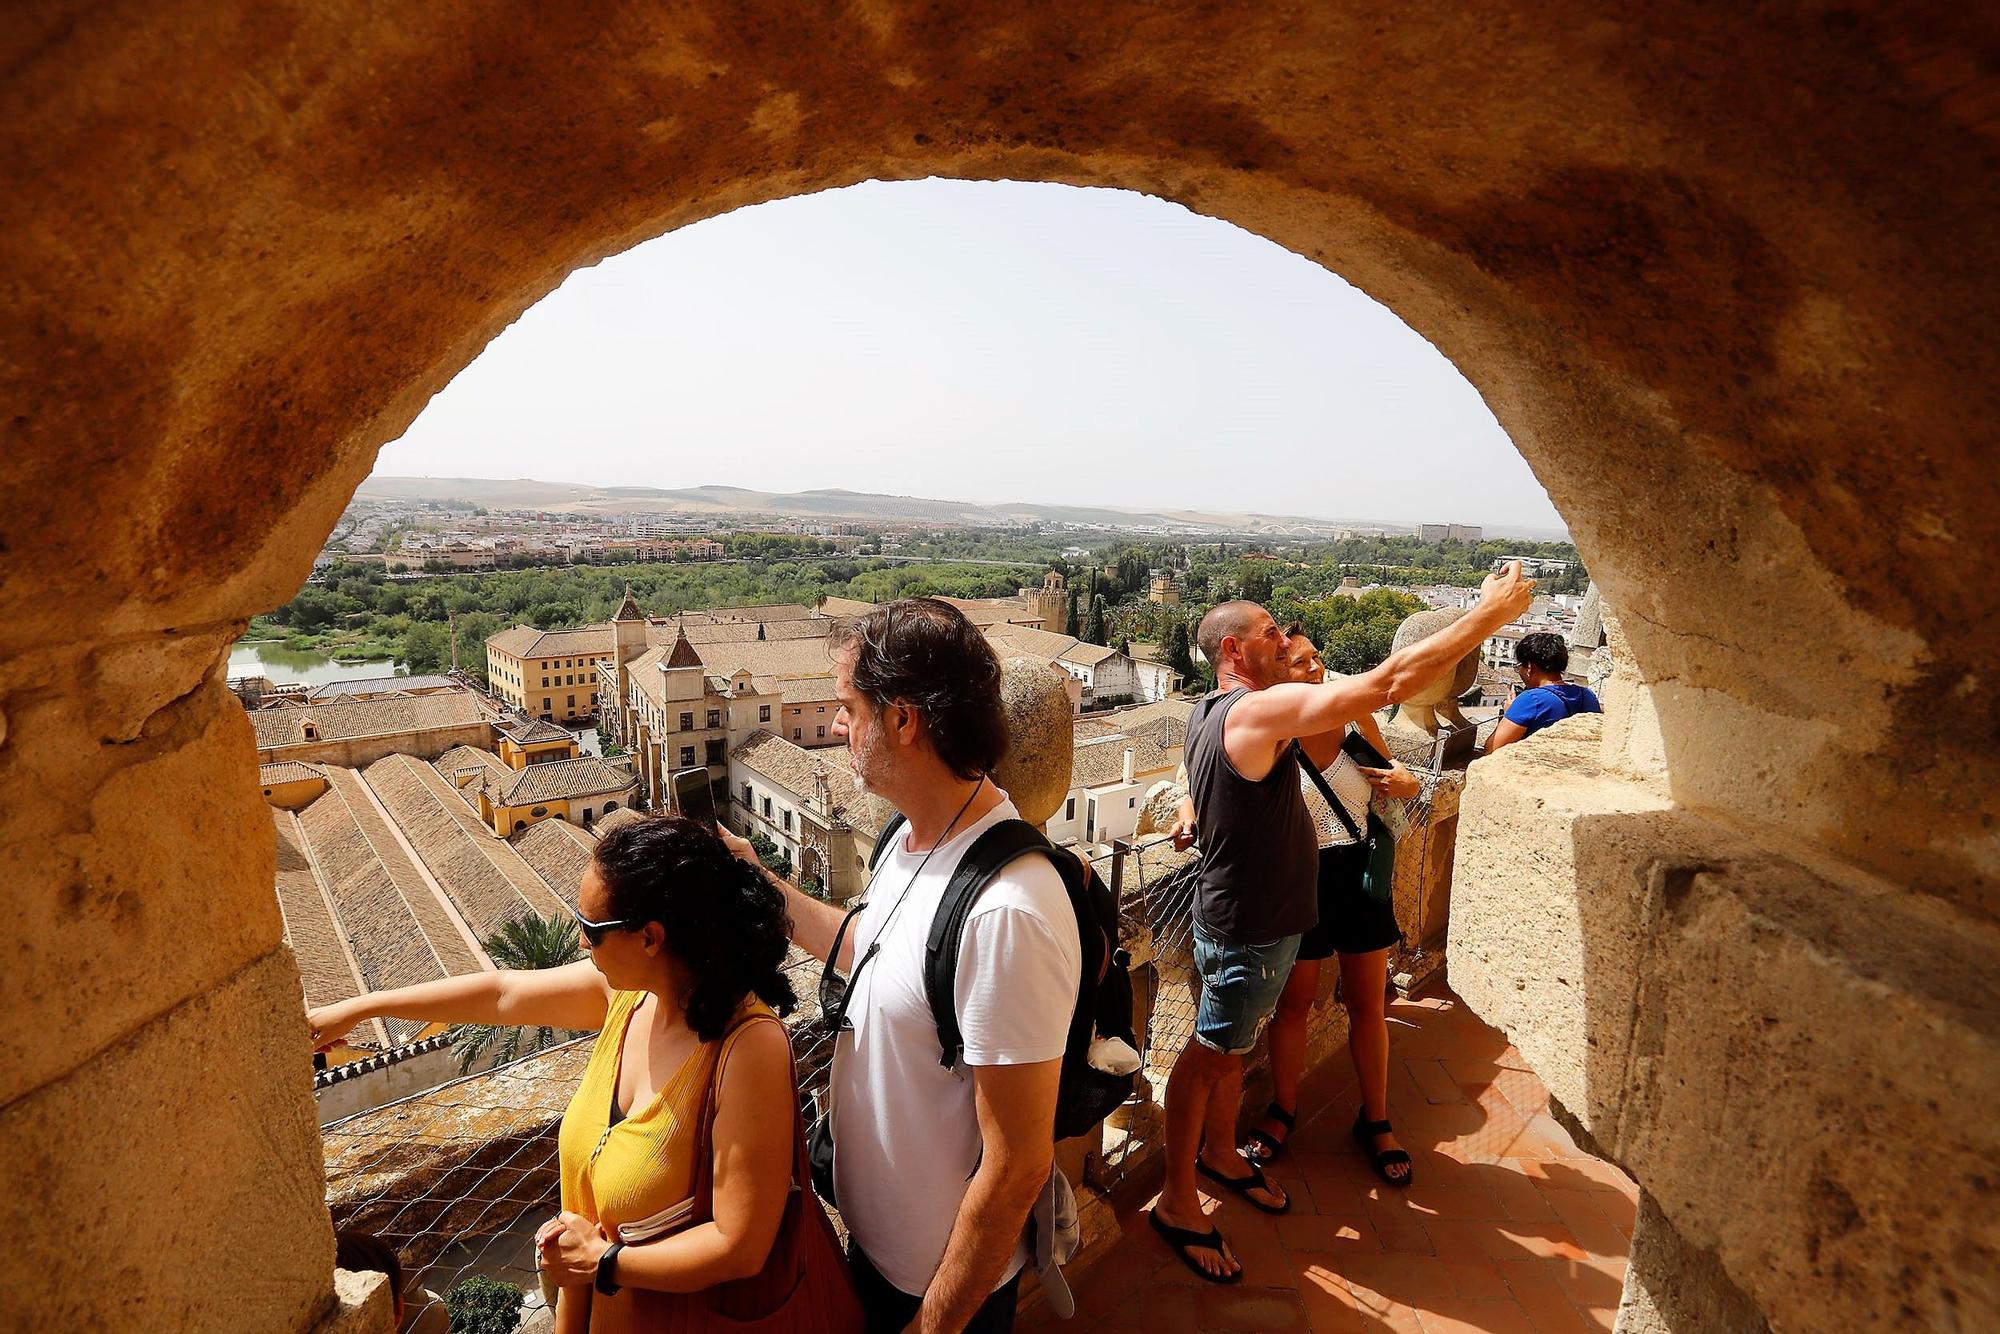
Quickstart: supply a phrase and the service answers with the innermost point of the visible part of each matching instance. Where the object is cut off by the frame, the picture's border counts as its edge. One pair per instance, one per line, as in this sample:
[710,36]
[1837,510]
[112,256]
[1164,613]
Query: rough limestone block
[1159,809]
[364,1304]
[138,871]
[1763,1043]
[195,1167]
[1036,769]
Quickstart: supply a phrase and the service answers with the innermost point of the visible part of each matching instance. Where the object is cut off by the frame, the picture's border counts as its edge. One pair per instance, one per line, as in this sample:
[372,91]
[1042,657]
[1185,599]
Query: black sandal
[1268,1148]
[1381,1160]
[1184,1240]
[1244,1185]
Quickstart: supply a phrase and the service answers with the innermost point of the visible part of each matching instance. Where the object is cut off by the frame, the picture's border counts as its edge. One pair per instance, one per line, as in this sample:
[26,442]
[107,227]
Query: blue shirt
[1537,708]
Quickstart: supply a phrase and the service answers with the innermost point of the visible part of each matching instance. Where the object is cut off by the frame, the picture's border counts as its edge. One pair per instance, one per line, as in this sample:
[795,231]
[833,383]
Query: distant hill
[720,501]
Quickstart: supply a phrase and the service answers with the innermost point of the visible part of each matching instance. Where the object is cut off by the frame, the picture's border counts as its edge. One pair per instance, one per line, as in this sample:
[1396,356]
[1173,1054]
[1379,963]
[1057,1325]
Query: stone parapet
[1797,1060]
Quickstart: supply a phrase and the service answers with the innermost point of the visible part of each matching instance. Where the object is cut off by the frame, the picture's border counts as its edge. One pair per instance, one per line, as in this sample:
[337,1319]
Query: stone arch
[1714,272]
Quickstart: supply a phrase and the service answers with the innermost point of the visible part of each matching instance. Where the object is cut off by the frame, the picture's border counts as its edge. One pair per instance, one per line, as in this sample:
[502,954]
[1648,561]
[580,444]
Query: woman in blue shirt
[1540,658]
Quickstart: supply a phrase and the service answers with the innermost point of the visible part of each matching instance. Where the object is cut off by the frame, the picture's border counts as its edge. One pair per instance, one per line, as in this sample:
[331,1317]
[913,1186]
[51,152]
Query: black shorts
[1350,920]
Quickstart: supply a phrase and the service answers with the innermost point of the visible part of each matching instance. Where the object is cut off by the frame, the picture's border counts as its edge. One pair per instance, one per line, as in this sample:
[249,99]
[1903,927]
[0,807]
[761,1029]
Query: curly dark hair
[1543,651]
[925,653]
[725,923]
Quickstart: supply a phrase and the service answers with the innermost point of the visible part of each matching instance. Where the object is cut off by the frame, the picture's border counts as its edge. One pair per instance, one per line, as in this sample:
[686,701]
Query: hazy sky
[982,342]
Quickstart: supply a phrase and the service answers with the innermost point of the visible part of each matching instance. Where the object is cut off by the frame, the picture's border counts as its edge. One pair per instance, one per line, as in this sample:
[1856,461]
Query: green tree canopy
[525,942]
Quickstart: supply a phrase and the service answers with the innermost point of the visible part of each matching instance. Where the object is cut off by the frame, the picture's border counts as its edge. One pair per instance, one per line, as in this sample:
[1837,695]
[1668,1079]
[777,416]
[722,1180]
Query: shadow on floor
[1508,1225]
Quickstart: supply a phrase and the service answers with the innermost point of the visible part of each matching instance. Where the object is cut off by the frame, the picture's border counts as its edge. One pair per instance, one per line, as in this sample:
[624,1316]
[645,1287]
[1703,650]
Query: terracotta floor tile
[1551,1132]
[1445,1200]
[1592,1282]
[1481,1281]
[1594,1232]
[1585,1174]
[1167,1310]
[1398,1228]
[1622,1212]
[1520,1088]
[1534,1287]
[1330,1307]
[1460,1242]
[1518,1195]
[1468,1071]
[1328,1233]
[1250,1310]
[1463,1315]
[1508,1227]
[1431,1079]
[1380,1311]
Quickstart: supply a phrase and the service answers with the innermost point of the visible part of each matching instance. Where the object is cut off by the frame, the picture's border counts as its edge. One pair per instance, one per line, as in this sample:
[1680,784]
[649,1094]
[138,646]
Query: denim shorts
[1240,985]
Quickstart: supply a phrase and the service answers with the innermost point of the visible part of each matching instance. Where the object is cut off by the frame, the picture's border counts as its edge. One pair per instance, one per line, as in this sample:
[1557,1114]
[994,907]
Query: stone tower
[628,641]
[1050,601]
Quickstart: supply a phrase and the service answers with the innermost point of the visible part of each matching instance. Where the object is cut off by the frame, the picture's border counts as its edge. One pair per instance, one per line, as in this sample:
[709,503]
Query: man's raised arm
[1283,712]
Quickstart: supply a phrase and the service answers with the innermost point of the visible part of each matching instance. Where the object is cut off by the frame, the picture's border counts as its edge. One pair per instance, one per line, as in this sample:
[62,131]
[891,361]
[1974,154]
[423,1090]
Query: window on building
[572,702]
[788,820]
[822,708]
[746,794]
[767,808]
[1069,809]
[687,722]
[763,713]
[798,734]
[715,717]
[545,683]
[1131,802]
[687,757]
[822,734]
[715,755]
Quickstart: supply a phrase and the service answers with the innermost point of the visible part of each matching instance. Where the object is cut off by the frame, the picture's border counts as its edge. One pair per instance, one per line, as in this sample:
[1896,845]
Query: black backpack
[1085,1095]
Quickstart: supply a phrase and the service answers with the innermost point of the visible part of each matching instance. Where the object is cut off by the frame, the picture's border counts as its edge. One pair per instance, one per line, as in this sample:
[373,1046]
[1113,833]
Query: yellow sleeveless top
[644,1164]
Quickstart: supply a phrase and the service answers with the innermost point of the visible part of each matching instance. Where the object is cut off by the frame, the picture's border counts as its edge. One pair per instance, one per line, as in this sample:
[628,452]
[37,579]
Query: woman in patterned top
[1358,928]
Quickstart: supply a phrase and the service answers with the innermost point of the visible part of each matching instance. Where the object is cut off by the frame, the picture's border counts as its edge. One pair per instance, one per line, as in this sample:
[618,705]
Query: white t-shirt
[905,1132]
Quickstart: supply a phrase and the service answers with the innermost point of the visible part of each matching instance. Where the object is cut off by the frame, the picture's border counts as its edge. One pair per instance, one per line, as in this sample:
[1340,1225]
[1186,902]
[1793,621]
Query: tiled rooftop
[562,780]
[793,767]
[1509,1226]
[340,720]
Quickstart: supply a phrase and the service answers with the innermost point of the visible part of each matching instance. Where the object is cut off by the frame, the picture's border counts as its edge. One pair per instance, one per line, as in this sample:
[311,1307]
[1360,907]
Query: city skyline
[985,342]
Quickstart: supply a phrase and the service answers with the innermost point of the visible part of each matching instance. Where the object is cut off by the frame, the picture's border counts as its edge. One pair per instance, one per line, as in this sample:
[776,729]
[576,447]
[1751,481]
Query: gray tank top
[1259,856]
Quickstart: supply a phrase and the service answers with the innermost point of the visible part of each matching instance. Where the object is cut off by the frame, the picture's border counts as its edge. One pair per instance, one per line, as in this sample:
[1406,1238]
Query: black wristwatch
[606,1263]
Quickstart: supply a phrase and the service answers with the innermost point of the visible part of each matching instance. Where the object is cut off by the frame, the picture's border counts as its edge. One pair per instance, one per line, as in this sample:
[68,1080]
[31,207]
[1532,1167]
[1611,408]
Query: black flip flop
[1244,1185]
[1268,1149]
[1185,1239]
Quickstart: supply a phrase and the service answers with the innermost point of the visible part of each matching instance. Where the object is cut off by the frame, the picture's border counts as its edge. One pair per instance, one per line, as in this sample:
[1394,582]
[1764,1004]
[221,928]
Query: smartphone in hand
[694,797]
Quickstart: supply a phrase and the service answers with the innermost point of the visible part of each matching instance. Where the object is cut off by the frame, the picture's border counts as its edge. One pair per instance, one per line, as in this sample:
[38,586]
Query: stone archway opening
[1675,249]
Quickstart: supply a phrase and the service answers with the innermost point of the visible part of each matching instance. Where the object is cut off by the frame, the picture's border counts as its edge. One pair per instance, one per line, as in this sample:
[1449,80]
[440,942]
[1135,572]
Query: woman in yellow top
[685,941]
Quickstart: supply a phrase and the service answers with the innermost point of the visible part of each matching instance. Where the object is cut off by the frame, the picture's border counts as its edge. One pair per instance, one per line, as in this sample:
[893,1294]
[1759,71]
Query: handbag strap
[704,1144]
[1339,807]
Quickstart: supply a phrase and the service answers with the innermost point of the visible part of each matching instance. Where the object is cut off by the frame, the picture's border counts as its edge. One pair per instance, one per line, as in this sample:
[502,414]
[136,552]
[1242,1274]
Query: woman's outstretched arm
[573,996]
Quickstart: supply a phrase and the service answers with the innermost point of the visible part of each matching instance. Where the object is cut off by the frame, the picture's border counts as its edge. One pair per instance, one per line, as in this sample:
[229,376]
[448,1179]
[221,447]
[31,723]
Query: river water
[283,665]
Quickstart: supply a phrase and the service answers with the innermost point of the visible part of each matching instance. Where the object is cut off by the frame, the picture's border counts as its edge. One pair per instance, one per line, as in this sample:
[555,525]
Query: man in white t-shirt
[935,1169]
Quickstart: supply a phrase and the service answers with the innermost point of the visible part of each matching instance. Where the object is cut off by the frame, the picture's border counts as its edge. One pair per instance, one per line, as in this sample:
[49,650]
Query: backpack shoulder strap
[985,859]
[884,840]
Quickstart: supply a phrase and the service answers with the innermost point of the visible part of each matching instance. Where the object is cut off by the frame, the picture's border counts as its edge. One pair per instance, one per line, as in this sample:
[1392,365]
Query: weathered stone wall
[1718,270]
[1769,1044]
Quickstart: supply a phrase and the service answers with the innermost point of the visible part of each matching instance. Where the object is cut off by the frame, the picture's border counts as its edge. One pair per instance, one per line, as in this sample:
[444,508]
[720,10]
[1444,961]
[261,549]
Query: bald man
[1257,890]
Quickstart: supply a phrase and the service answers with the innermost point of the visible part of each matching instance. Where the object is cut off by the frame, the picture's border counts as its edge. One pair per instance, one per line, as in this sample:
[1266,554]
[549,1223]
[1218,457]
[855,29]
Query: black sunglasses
[594,932]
